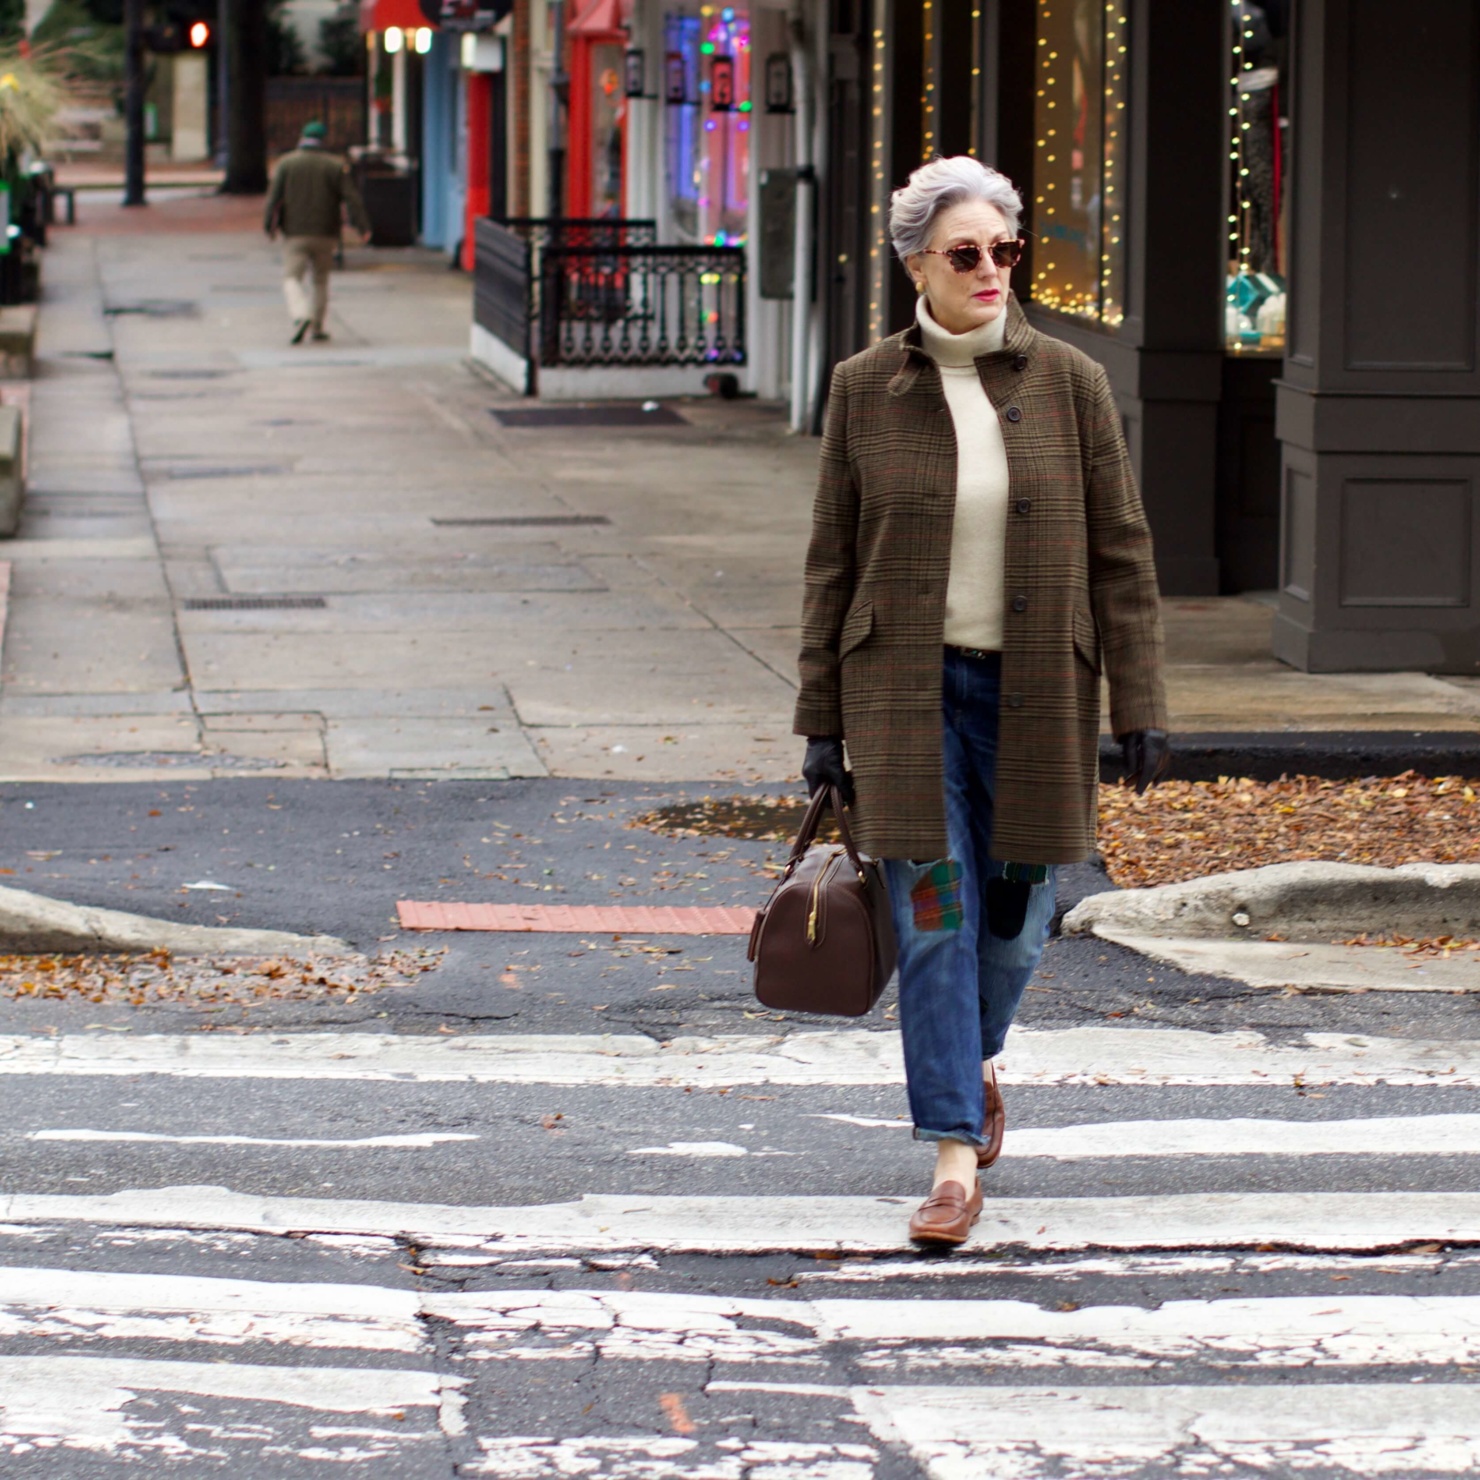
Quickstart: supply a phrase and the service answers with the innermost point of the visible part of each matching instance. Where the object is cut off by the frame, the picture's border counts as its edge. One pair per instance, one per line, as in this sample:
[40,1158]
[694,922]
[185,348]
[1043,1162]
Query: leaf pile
[1187,829]
[239,981]
[756,819]
[1439,947]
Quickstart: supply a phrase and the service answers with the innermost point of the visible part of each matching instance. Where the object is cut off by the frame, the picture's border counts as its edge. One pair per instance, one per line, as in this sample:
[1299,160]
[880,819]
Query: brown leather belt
[965,652]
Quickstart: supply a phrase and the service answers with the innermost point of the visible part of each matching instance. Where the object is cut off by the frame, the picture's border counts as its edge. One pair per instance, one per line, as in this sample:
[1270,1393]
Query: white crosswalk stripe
[1192,1329]
[1104,1056]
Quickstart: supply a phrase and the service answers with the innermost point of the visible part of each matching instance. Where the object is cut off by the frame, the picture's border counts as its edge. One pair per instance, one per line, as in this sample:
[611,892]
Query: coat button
[1023,505]
[1019,603]
[1014,701]
[1020,362]
[1013,414]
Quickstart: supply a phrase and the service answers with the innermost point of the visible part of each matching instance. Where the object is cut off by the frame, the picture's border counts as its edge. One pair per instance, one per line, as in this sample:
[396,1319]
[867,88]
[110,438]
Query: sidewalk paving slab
[657,645]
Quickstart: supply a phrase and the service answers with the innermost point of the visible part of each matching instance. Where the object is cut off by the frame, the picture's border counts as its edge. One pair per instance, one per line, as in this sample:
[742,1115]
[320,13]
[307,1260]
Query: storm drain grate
[526,521]
[589,416]
[161,760]
[254,603]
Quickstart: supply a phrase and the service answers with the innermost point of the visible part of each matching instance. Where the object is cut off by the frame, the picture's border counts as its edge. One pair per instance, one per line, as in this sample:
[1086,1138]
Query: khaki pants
[300,254]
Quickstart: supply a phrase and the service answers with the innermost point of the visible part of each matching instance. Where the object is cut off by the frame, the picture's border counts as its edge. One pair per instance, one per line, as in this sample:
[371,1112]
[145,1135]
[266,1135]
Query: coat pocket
[1086,638]
[856,628]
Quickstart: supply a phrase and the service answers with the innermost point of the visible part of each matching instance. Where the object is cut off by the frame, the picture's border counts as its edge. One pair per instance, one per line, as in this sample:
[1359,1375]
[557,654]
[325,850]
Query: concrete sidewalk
[240,557]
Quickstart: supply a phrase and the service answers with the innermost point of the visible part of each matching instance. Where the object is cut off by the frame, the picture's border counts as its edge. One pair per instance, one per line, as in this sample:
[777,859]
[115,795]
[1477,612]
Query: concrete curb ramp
[1220,925]
[31,923]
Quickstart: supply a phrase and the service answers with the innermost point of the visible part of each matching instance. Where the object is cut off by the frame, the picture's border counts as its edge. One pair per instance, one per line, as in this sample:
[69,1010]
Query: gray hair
[939,185]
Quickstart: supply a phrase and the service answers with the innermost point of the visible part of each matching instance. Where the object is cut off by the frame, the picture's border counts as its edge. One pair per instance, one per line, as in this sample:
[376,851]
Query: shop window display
[1257,159]
[1080,137]
[708,126]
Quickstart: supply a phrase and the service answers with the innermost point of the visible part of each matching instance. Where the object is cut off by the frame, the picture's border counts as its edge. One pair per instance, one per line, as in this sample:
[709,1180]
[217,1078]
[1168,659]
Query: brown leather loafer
[994,1122]
[946,1216]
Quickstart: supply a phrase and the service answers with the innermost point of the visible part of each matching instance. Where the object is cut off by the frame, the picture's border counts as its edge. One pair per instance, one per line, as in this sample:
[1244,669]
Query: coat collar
[913,357]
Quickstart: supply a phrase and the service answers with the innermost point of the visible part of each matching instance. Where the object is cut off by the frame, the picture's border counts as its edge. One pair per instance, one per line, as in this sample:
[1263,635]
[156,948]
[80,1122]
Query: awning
[601,18]
[381,15]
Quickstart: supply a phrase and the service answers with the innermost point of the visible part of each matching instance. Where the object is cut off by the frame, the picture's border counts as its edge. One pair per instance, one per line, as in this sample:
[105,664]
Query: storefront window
[709,115]
[1079,123]
[1257,153]
[608,117]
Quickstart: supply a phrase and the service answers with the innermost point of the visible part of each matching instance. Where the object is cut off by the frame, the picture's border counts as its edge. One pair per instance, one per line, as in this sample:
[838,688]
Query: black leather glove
[1148,757]
[823,766]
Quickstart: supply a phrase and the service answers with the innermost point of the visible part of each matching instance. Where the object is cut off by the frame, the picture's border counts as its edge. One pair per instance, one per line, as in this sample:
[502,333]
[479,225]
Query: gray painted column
[1166,359]
[1379,409]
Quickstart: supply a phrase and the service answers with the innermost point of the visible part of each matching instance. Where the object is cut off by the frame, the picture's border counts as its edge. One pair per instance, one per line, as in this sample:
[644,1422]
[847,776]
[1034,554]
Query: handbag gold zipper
[821,879]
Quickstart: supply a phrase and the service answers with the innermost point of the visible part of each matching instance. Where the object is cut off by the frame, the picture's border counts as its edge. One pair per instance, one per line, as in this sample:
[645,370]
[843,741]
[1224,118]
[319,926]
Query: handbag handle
[822,798]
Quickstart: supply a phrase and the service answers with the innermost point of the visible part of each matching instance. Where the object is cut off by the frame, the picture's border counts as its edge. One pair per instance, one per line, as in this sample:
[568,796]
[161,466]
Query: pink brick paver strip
[578,919]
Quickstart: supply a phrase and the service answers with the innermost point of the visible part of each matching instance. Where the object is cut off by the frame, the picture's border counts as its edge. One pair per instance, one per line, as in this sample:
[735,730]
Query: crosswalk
[1204,1253]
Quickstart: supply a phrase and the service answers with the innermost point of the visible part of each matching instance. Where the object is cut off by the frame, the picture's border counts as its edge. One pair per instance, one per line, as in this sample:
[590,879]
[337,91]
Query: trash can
[387,185]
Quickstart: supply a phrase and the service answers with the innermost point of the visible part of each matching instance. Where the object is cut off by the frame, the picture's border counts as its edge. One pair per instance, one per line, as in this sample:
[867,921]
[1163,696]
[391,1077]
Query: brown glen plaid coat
[1080,589]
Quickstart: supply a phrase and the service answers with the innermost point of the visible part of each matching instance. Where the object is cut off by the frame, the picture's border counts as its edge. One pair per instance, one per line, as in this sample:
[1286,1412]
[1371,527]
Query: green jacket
[1080,592]
[310,188]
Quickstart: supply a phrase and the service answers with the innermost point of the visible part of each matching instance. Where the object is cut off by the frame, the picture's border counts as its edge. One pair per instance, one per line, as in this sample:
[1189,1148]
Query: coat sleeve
[830,573]
[1122,576]
[274,207]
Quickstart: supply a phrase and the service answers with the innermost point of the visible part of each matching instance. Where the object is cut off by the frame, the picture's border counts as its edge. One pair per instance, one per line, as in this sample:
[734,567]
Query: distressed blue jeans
[960,985]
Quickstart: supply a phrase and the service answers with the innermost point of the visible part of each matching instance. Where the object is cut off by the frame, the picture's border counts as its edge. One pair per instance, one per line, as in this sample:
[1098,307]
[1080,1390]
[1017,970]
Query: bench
[54,193]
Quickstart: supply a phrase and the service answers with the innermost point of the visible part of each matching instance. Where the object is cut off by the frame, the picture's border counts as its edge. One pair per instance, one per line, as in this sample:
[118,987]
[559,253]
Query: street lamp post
[133,103]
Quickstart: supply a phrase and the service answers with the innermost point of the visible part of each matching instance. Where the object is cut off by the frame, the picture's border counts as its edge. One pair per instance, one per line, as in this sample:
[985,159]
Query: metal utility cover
[587,416]
[253,603]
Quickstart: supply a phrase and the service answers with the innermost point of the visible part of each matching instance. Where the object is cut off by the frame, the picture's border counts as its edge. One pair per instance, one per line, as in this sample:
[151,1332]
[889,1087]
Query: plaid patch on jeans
[937,897]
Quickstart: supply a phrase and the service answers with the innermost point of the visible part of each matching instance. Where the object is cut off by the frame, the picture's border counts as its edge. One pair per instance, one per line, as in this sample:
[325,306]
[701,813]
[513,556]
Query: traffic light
[178,33]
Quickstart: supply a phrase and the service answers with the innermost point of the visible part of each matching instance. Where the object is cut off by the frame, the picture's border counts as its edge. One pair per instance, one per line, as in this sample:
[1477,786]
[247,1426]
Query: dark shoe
[994,1122]
[946,1216]
[299,330]
[320,334]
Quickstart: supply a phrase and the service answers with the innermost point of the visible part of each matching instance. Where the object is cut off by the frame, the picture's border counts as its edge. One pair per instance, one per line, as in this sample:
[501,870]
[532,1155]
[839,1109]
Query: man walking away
[311,189]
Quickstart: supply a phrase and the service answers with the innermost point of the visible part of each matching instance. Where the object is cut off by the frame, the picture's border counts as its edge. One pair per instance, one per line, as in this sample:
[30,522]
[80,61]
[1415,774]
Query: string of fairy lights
[878,252]
[1080,168]
[1240,221]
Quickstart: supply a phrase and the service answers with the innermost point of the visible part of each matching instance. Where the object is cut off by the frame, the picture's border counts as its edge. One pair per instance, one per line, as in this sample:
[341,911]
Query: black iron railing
[600,292]
[642,306]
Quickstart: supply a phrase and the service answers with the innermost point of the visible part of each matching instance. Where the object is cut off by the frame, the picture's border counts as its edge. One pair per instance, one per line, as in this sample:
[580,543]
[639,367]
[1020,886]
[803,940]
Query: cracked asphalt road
[393,1349]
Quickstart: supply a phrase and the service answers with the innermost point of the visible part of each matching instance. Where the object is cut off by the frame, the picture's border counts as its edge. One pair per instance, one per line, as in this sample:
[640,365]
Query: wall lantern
[778,83]
[721,84]
[636,74]
[675,78]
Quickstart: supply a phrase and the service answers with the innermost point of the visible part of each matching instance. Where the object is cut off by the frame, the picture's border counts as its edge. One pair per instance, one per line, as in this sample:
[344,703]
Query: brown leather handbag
[825,940]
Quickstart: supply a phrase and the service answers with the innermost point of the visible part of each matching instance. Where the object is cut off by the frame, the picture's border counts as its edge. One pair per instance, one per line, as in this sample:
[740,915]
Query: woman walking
[978,546]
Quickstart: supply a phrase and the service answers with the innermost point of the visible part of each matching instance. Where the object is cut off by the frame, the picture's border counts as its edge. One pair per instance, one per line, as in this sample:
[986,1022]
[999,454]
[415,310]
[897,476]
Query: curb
[1306,901]
[1266,755]
[32,924]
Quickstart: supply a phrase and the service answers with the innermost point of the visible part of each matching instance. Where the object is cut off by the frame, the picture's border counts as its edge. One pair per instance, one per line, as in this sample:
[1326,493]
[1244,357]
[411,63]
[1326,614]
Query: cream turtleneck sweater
[974,592]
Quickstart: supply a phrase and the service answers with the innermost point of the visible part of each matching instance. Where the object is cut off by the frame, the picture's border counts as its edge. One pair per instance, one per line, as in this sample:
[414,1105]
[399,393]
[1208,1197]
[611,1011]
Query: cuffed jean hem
[967,1138]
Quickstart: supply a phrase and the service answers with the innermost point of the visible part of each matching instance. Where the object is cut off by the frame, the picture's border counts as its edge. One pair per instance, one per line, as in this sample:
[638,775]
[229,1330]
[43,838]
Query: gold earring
[919,285]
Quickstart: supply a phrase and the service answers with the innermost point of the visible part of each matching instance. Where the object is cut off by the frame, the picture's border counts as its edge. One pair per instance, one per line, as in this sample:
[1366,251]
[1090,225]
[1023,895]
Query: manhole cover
[253,603]
[588,416]
[526,521]
[152,760]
